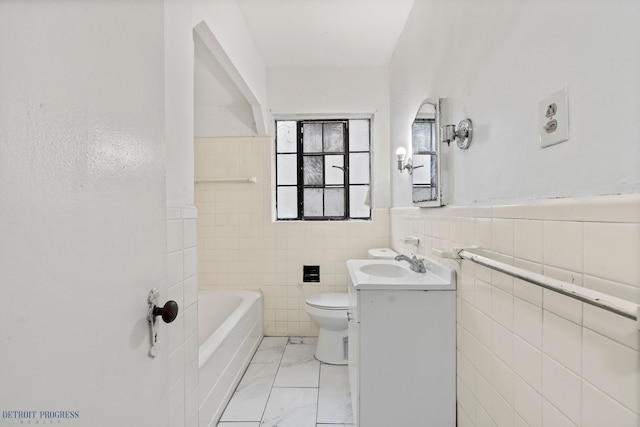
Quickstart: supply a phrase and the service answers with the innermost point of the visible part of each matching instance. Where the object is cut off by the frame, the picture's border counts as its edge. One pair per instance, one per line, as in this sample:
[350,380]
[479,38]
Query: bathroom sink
[385,270]
[391,274]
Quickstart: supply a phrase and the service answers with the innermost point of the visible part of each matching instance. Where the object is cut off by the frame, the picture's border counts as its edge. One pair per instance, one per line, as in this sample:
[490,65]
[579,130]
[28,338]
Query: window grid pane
[320,192]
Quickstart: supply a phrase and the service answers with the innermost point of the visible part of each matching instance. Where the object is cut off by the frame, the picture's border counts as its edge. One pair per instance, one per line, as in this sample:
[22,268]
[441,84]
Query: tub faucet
[415,264]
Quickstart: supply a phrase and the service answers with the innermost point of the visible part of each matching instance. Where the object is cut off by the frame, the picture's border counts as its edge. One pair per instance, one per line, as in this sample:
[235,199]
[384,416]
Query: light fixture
[462,135]
[401,153]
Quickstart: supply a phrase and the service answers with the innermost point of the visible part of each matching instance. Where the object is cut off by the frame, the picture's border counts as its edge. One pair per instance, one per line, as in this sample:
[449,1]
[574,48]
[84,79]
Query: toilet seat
[335,301]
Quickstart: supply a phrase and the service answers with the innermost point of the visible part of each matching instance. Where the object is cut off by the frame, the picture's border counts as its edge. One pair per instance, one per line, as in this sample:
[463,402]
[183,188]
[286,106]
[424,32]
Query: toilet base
[332,347]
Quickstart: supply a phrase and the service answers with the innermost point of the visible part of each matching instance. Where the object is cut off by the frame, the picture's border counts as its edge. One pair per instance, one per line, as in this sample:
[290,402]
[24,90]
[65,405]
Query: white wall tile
[563,342]
[503,236]
[552,416]
[563,306]
[174,236]
[528,240]
[562,388]
[527,403]
[563,244]
[528,363]
[502,413]
[527,322]
[598,409]
[612,368]
[613,326]
[603,256]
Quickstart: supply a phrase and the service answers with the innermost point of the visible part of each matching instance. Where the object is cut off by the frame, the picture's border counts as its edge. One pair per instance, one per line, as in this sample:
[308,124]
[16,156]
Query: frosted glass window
[334,170]
[287,202]
[312,169]
[287,137]
[287,173]
[358,196]
[359,168]
[312,138]
[423,136]
[333,137]
[334,202]
[358,135]
[422,175]
[313,205]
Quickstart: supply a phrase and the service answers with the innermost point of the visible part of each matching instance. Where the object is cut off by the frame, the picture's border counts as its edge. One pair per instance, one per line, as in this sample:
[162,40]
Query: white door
[82,213]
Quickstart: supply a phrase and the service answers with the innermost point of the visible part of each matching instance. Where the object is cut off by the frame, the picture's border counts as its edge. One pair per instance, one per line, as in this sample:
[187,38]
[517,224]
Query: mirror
[425,147]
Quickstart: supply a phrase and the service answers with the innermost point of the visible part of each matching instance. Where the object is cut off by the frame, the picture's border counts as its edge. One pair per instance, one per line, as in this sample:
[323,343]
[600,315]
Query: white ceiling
[326,33]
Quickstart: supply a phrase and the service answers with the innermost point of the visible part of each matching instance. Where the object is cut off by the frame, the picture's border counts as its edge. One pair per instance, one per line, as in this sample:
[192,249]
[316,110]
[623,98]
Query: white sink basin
[390,274]
[385,270]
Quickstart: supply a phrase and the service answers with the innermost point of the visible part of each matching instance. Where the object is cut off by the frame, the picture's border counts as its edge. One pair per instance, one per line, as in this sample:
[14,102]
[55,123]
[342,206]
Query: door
[82,213]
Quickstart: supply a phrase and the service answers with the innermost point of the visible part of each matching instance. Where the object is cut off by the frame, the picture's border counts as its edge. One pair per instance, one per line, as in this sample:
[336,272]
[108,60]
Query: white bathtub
[229,332]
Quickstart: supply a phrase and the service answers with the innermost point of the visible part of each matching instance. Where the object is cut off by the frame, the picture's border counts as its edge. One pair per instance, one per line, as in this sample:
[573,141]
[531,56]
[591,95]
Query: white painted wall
[82,211]
[225,21]
[338,91]
[494,61]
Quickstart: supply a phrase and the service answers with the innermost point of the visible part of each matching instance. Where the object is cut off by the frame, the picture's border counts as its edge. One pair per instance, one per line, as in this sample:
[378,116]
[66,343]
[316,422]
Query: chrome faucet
[415,264]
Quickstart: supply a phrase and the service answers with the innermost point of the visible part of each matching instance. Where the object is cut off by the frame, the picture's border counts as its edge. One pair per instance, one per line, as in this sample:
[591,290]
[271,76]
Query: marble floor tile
[298,367]
[291,407]
[270,350]
[334,397]
[249,400]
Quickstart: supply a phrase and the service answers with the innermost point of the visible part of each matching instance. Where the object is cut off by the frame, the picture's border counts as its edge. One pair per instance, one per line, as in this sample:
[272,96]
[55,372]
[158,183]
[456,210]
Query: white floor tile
[334,398]
[250,398]
[298,367]
[291,407]
[270,350]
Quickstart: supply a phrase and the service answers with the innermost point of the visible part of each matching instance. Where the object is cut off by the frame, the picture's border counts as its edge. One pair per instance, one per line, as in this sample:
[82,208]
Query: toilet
[329,311]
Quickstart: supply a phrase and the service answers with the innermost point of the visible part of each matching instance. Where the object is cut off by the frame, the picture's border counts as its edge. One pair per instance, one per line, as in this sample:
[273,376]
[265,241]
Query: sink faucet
[415,264]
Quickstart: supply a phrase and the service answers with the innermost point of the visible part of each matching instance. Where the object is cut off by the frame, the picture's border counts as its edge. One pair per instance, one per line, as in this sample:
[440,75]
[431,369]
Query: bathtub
[229,332]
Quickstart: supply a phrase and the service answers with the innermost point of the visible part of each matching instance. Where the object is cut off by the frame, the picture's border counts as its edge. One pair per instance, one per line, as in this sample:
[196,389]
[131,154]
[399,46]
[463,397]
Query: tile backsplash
[528,356]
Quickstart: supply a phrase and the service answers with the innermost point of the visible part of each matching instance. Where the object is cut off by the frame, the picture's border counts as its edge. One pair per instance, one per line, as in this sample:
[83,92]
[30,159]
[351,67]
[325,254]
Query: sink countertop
[437,277]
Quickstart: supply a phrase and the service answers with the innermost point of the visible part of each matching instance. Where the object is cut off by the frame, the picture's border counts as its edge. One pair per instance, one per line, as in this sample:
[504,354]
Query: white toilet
[329,311]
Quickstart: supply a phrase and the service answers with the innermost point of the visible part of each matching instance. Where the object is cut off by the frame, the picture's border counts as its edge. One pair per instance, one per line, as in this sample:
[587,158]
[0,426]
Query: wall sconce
[401,152]
[462,135]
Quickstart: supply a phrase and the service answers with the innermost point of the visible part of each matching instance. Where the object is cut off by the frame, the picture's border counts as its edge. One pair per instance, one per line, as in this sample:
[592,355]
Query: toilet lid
[337,301]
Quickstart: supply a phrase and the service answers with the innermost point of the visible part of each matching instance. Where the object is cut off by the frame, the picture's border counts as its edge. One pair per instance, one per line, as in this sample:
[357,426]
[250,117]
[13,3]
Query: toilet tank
[382,253]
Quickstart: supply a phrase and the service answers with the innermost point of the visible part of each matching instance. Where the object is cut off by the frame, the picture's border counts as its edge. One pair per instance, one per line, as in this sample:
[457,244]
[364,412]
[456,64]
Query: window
[425,177]
[323,169]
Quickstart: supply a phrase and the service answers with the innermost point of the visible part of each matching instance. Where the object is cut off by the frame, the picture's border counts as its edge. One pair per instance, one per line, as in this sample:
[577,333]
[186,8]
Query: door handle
[168,312]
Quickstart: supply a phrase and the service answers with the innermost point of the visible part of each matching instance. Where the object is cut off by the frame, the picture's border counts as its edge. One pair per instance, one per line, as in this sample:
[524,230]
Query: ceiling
[326,33]
[297,34]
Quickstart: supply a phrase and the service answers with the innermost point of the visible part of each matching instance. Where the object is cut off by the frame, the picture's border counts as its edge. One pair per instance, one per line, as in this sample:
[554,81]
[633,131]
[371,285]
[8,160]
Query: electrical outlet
[553,118]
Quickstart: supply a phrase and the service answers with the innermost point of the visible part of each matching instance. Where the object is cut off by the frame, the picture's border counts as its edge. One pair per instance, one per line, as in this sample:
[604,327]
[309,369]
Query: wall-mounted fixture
[401,153]
[462,135]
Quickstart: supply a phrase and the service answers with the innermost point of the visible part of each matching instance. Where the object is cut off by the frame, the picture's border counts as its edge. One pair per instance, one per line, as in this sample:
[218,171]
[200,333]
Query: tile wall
[182,283]
[527,356]
[242,247]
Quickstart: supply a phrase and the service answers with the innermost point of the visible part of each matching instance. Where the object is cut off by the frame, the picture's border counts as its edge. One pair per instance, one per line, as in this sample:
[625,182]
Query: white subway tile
[528,240]
[174,236]
[551,416]
[528,363]
[527,403]
[502,343]
[612,368]
[503,380]
[528,322]
[190,233]
[503,236]
[598,410]
[502,412]
[563,342]
[174,268]
[612,251]
[615,289]
[562,388]
[563,244]
[176,367]
[502,308]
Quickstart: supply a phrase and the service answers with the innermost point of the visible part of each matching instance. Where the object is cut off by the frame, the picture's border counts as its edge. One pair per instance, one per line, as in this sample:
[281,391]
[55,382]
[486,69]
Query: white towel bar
[607,302]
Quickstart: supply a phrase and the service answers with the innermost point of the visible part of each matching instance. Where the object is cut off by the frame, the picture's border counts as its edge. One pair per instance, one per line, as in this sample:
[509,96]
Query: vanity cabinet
[402,357]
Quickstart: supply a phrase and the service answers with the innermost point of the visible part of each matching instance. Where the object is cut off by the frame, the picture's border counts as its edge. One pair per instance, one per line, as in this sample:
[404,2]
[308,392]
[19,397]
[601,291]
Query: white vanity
[402,344]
